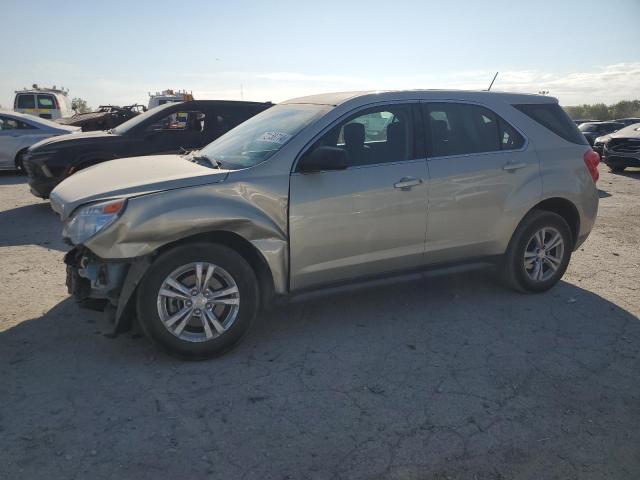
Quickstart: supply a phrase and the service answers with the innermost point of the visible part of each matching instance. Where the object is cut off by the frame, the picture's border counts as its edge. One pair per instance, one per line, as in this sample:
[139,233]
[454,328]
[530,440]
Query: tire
[517,273]
[198,338]
[20,161]
[617,169]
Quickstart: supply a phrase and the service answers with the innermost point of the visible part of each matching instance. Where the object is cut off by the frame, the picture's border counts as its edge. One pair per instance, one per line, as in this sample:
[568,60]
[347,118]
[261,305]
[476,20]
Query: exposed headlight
[89,220]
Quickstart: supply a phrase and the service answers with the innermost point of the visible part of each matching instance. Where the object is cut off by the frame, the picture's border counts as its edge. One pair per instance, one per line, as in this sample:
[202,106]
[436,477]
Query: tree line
[601,111]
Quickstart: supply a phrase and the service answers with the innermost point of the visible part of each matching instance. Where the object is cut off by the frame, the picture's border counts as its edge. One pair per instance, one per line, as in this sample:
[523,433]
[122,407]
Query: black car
[580,121]
[593,130]
[169,128]
[622,149]
[628,121]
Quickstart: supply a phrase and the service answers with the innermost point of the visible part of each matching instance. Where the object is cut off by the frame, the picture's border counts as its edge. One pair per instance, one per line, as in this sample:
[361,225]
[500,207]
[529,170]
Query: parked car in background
[622,148]
[49,103]
[628,121]
[105,118]
[19,131]
[593,130]
[169,96]
[169,128]
[580,121]
[598,143]
[301,197]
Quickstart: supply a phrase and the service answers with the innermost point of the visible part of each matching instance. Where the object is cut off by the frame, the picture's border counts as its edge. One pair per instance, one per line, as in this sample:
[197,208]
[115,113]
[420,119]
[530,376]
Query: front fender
[251,210]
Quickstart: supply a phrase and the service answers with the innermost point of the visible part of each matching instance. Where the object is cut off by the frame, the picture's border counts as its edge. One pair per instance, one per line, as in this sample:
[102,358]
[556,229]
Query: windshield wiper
[203,159]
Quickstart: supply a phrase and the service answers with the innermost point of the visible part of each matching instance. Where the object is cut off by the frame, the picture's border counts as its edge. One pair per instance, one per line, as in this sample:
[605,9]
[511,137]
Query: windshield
[138,119]
[257,139]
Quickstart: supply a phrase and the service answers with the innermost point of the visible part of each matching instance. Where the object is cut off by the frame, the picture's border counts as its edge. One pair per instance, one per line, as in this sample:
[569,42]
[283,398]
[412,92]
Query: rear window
[46,101]
[554,118]
[26,101]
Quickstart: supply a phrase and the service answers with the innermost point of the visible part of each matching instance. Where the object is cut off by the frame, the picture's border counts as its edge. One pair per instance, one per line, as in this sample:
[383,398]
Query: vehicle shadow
[629,173]
[18,227]
[603,194]
[458,374]
[8,177]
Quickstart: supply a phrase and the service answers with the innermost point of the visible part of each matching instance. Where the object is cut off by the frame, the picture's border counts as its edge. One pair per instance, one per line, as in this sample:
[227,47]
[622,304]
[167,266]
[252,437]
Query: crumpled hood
[630,131]
[130,177]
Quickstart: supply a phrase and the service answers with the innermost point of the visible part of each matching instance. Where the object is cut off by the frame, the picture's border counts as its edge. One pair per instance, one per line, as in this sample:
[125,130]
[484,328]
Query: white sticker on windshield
[274,137]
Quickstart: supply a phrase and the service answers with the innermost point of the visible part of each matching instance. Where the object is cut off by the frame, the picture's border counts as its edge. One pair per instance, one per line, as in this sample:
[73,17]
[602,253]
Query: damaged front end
[105,285]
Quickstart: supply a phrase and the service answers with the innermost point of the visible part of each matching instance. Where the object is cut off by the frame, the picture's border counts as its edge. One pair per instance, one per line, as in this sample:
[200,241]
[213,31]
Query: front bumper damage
[105,285]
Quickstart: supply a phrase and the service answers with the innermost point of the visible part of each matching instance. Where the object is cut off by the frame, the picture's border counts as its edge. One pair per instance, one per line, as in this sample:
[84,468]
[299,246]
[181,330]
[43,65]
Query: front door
[370,218]
[479,165]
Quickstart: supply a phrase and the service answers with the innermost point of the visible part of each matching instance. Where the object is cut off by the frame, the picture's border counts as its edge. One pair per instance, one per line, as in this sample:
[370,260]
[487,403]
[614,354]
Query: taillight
[591,160]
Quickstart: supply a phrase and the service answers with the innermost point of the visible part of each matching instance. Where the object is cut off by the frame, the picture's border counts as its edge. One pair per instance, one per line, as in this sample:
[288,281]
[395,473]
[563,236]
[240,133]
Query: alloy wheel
[544,254]
[198,302]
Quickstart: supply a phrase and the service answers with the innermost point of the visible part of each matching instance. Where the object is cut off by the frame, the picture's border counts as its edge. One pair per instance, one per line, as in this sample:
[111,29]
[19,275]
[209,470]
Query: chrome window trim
[370,165]
[524,147]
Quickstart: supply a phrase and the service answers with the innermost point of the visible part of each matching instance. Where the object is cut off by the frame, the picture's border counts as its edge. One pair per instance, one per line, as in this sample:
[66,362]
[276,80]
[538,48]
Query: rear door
[223,117]
[477,164]
[47,106]
[370,218]
[26,103]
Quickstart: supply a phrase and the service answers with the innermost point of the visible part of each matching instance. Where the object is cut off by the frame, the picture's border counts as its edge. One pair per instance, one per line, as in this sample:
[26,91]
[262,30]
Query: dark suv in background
[622,148]
[628,121]
[593,130]
[170,128]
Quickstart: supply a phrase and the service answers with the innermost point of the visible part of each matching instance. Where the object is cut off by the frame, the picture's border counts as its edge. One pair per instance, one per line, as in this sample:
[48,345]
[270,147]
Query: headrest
[354,135]
[439,128]
[396,132]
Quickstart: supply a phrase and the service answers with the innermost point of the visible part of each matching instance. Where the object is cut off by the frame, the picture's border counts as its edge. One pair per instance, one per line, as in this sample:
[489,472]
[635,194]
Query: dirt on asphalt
[443,377]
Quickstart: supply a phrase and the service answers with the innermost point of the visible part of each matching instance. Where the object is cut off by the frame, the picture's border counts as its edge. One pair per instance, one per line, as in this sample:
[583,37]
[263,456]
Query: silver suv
[307,195]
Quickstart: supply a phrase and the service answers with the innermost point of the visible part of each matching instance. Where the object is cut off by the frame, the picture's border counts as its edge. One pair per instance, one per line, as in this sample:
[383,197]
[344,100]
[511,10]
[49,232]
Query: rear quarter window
[554,118]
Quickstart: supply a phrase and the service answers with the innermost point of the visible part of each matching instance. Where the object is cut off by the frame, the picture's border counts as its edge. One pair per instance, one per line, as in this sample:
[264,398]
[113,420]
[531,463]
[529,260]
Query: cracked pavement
[439,377]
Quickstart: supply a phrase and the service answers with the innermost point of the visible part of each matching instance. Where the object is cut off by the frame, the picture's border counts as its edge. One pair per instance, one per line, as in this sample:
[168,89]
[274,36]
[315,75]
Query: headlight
[89,220]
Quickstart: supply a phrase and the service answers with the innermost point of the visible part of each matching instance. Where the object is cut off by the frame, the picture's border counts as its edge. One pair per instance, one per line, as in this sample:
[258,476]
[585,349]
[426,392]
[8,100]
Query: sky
[115,52]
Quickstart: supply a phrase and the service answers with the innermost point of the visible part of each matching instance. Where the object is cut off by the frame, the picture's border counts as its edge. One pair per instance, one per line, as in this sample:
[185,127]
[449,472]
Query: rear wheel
[617,169]
[538,253]
[198,300]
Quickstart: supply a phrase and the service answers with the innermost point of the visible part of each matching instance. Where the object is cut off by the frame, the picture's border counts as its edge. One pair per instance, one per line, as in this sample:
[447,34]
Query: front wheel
[20,161]
[538,253]
[617,169]
[198,300]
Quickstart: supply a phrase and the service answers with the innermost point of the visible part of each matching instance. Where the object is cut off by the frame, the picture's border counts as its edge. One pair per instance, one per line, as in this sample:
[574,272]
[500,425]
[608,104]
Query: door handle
[512,167]
[406,183]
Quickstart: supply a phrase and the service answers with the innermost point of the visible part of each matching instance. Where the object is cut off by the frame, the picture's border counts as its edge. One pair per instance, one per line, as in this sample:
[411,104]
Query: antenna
[491,84]
[241,92]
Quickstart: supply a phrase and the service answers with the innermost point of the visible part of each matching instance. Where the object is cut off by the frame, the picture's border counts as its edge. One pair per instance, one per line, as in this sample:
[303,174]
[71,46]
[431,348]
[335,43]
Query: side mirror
[324,158]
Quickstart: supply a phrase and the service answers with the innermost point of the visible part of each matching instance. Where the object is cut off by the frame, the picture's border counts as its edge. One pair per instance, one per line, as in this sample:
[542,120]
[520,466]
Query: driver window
[377,135]
[180,121]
